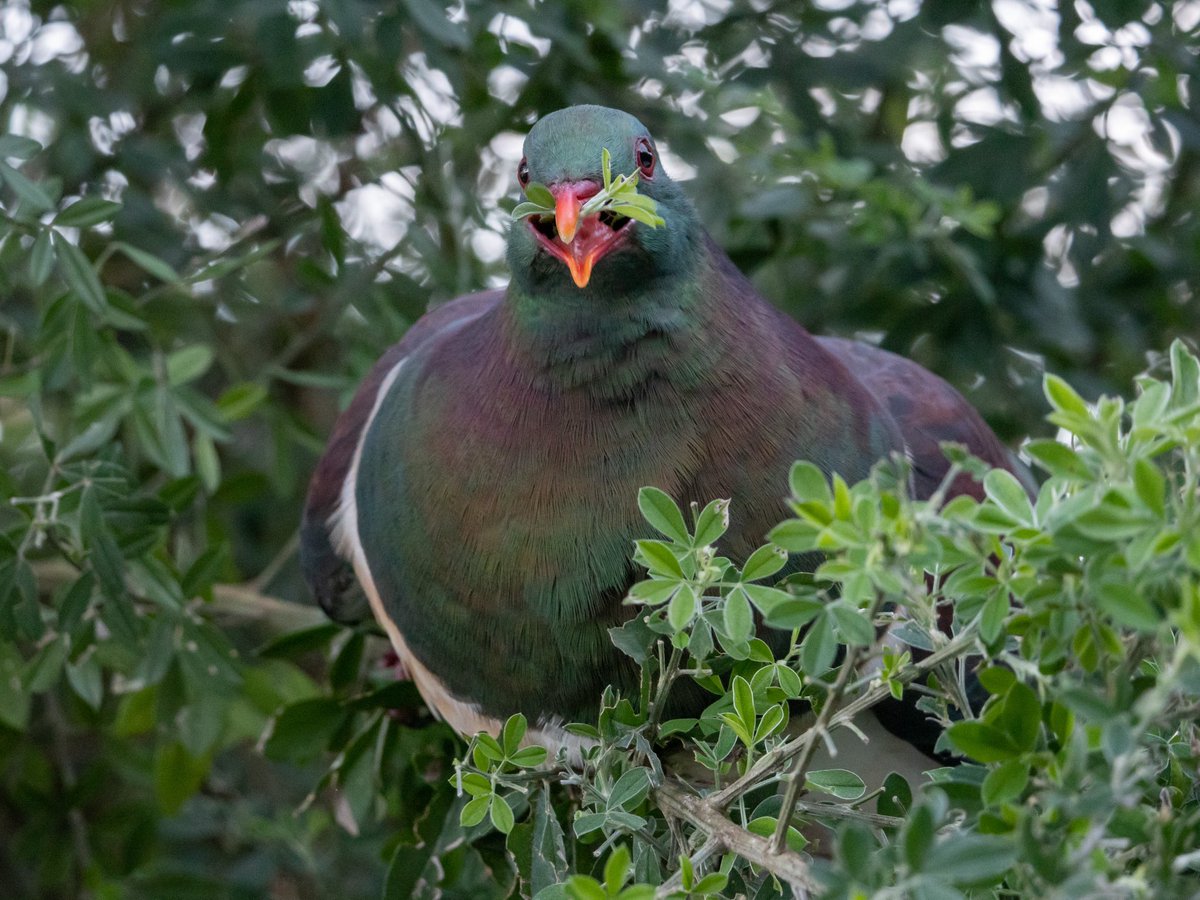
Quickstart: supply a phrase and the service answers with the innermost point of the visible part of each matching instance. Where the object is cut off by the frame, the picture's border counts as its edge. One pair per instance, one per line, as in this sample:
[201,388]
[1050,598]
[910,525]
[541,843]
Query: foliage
[214,216]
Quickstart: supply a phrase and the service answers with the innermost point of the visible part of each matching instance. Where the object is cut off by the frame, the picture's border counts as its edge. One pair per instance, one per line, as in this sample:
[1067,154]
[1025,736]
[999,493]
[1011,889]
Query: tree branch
[789,866]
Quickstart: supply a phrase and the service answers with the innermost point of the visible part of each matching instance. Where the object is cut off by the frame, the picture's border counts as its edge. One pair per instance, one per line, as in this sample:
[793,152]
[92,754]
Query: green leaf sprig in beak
[619,196]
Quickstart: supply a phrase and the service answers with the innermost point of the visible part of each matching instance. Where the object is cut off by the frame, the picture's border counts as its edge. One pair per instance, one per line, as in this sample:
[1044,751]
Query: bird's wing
[928,412]
[327,567]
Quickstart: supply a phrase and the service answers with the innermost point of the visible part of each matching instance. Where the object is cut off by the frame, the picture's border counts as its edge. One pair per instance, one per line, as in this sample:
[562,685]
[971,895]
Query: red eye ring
[523,171]
[646,159]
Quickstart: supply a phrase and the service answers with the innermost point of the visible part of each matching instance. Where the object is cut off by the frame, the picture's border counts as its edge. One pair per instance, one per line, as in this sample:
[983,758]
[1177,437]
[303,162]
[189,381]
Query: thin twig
[800,769]
[789,866]
[768,764]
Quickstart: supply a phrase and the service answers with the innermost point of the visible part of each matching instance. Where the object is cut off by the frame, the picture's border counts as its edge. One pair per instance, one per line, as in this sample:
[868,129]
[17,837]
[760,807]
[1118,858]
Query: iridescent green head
[602,253]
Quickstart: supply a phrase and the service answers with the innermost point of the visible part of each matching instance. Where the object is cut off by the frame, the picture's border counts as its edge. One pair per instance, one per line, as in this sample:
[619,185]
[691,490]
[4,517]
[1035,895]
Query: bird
[480,490]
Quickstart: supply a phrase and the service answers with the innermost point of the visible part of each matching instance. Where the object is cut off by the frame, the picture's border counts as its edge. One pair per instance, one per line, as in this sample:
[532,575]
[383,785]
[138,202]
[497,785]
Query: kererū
[482,485]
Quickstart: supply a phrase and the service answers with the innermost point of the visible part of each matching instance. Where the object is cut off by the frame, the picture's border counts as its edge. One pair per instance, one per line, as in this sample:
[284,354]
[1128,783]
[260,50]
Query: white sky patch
[513,30]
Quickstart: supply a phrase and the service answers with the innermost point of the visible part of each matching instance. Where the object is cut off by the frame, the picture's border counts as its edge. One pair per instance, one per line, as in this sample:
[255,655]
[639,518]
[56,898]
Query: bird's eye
[523,171]
[645,158]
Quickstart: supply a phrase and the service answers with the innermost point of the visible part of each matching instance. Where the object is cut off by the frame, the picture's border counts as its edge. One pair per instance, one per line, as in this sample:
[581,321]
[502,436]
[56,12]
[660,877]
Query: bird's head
[603,252]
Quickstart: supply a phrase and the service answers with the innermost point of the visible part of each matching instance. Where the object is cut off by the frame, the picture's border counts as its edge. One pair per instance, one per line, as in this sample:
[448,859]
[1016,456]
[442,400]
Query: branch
[769,763]
[788,866]
[239,601]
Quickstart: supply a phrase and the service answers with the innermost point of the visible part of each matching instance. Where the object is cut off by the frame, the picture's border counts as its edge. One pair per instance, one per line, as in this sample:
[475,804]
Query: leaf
[87,680]
[177,776]
[1005,783]
[41,258]
[739,621]
[78,273]
[743,703]
[972,859]
[528,757]
[659,558]
[711,523]
[853,626]
[514,732]
[502,815]
[1063,397]
[1150,485]
[982,742]
[819,646]
[991,620]
[661,511]
[87,211]
[764,562]
[540,194]
[148,263]
[28,192]
[682,608]
[616,869]
[550,864]
[475,811]
[1005,491]
[841,783]
[1057,458]
[14,146]
[764,826]
[630,789]
[896,799]
[188,363]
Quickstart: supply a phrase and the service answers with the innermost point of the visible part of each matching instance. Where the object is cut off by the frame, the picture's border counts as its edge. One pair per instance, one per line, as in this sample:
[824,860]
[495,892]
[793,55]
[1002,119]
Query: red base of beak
[579,243]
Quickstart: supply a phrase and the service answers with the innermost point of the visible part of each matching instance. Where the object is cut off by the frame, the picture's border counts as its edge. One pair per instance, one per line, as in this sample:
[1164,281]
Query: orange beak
[578,243]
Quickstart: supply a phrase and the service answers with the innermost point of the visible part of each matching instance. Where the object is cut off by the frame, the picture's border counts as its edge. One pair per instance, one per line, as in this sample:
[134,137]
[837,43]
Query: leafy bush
[1078,614]
[191,282]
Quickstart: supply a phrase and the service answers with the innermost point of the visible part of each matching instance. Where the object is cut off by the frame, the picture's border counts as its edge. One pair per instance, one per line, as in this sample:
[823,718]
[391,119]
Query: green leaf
[972,859]
[809,483]
[711,523]
[540,194]
[991,620]
[896,799]
[630,789]
[853,626]
[514,732]
[523,210]
[1063,397]
[661,512]
[682,608]
[739,621]
[1150,485]
[550,865]
[87,211]
[528,757]
[1057,458]
[743,703]
[14,146]
[502,815]
[819,647]
[1005,783]
[982,742]
[616,869]
[659,558]
[475,810]
[188,363]
[177,776]
[771,722]
[147,262]
[1005,491]
[841,783]
[764,562]
[28,192]
[41,258]
[87,680]
[764,826]
[79,275]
